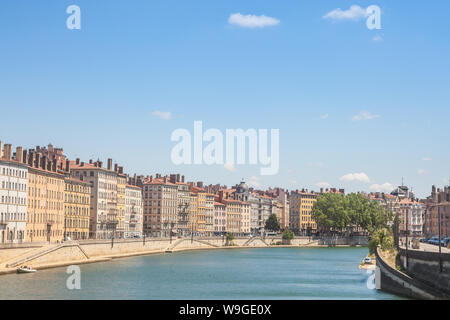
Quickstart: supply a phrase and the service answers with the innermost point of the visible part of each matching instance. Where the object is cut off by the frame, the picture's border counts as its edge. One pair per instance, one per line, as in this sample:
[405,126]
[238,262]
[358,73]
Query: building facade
[301,204]
[103,211]
[160,207]
[13,196]
[77,203]
[133,212]
[45,216]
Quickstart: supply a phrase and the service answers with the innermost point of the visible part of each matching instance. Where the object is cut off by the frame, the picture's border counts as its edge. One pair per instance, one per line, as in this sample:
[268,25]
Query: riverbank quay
[414,274]
[44,256]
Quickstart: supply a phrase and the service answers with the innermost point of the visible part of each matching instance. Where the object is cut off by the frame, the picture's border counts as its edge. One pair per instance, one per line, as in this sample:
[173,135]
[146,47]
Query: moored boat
[25,269]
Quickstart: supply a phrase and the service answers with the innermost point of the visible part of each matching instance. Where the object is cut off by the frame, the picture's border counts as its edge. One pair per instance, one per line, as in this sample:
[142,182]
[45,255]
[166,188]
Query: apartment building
[13,195]
[133,212]
[160,207]
[301,204]
[45,209]
[104,215]
[77,203]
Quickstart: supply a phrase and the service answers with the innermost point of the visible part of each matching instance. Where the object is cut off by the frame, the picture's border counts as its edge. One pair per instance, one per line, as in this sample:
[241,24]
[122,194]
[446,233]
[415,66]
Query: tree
[339,213]
[272,223]
[288,235]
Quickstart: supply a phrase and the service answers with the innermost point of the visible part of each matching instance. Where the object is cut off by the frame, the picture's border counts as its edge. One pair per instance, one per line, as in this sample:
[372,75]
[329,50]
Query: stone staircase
[17,261]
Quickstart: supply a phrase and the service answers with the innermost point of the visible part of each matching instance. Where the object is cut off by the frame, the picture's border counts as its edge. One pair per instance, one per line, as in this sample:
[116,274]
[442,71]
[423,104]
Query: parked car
[424,240]
[434,240]
[445,241]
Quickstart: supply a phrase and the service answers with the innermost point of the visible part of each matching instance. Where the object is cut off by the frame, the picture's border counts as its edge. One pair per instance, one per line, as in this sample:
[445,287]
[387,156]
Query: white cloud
[385,187]
[377,38]
[361,177]
[426,159]
[421,171]
[254,182]
[324,116]
[323,185]
[230,167]
[365,115]
[252,21]
[354,13]
[162,114]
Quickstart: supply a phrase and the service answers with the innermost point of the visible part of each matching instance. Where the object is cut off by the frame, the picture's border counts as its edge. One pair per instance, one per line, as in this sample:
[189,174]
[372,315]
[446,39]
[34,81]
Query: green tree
[272,223]
[288,235]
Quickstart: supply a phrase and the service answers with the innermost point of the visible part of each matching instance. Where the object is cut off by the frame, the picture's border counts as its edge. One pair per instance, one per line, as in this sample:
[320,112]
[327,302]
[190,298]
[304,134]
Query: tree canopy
[338,212]
[272,223]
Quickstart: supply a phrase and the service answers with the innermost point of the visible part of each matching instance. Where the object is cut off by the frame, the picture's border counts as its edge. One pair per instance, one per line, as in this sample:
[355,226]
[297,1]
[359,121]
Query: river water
[272,273]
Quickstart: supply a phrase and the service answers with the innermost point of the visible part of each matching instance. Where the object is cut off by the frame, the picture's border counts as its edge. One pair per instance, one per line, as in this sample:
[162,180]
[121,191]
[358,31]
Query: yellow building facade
[77,196]
[45,209]
[301,204]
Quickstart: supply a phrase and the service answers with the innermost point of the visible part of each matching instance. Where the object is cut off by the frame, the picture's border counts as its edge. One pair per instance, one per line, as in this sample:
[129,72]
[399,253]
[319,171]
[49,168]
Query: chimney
[116,167]
[7,152]
[182,179]
[54,165]
[90,161]
[44,163]
[173,178]
[24,156]
[178,178]
[100,164]
[19,154]
[220,195]
[82,164]
[37,160]
[77,161]
[30,158]
[120,170]
[67,165]
[109,164]
[165,179]
[151,178]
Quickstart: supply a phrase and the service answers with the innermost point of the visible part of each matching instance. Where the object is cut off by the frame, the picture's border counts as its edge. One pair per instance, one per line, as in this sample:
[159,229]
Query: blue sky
[94,91]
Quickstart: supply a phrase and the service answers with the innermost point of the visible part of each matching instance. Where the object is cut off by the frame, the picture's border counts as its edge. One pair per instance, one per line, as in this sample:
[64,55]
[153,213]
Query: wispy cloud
[354,13]
[421,172]
[165,115]
[426,159]
[324,116]
[385,187]
[252,21]
[361,177]
[365,115]
[323,185]
[377,38]
[230,167]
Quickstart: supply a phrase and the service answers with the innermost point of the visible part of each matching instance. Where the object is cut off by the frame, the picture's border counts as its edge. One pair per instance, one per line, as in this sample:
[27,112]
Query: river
[272,273]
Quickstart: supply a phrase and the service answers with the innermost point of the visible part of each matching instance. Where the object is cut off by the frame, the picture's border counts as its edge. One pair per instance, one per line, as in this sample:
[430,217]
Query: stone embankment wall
[87,251]
[406,284]
[425,267]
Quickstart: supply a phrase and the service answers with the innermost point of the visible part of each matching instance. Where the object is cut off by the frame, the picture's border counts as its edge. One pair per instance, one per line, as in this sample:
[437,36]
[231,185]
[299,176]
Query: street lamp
[440,250]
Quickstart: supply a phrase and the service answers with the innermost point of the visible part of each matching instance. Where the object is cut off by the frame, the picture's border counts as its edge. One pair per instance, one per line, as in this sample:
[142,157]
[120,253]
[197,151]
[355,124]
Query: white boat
[25,269]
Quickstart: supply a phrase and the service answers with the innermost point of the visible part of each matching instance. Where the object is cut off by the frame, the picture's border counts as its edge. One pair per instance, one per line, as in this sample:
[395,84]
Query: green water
[273,273]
